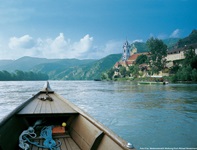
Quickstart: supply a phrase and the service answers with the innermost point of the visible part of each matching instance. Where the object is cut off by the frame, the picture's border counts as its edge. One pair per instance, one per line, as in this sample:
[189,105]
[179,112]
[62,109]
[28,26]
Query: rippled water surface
[145,115]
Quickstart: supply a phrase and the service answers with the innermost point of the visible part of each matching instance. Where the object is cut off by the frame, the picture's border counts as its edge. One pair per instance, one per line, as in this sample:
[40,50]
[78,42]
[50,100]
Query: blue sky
[88,28]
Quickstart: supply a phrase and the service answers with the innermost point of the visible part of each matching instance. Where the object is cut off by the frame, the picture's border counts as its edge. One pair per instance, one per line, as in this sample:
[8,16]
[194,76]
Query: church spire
[126,51]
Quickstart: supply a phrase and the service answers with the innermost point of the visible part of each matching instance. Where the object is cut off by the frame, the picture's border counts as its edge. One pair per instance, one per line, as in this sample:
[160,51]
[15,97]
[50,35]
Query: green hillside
[78,69]
[24,63]
[63,69]
[5,62]
[171,42]
[191,39]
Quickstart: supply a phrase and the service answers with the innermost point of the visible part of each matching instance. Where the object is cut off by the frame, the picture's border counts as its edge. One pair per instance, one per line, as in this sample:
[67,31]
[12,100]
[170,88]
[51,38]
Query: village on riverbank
[159,63]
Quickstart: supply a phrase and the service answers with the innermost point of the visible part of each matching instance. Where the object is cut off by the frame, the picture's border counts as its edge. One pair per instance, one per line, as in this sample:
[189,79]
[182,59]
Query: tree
[190,58]
[188,71]
[134,70]
[22,76]
[158,52]
[110,73]
[174,69]
[194,75]
[141,59]
[103,76]
[6,76]
[123,71]
[184,73]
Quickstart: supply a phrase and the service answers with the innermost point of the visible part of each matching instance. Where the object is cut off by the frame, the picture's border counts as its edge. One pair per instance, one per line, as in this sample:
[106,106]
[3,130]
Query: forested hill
[24,63]
[191,39]
[62,69]
[78,69]
[22,76]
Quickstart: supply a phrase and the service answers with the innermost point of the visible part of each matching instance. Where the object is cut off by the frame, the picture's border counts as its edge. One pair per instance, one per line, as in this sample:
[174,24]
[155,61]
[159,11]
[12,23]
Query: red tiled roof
[117,64]
[131,60]
[133,57]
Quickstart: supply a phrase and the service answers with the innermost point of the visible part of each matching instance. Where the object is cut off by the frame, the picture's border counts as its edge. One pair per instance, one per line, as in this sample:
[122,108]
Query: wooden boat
[47,108]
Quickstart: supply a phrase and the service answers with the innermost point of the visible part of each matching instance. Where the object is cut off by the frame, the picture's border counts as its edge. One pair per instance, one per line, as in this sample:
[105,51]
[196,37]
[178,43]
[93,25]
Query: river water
[148,116]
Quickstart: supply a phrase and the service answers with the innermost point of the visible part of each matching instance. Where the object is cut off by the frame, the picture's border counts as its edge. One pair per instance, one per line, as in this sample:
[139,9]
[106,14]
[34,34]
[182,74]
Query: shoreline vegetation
[19,75]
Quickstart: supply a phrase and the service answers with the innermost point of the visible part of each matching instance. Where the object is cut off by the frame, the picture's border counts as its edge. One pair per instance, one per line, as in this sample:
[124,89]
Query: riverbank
[147,79]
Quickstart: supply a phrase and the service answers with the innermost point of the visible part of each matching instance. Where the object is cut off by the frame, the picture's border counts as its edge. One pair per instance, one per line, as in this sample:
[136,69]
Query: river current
[148,116]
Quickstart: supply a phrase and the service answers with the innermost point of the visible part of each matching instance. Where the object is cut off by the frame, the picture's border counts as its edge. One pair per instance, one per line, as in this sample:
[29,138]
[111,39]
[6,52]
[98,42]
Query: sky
[88,29]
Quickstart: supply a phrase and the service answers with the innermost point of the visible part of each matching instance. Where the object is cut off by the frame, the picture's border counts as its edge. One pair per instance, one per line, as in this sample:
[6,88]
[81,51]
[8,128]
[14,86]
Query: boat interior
[80,132]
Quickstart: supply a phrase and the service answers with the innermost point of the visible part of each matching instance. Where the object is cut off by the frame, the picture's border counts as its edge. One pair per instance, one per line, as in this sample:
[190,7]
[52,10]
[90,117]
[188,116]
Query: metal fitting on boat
[130,146]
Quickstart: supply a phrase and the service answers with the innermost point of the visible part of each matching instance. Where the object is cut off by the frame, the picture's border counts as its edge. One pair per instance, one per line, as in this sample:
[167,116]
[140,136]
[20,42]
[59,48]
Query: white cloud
[175,33]
[24,42]
[84,44]
[97,52]
[58,47]
[60,43]
[137,40]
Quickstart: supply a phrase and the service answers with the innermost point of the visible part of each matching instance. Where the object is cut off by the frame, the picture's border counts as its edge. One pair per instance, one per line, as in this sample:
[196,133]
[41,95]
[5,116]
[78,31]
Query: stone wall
[172,57]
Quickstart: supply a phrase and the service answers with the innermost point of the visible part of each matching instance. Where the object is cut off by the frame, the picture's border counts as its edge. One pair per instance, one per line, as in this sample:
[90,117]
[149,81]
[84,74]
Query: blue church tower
[126,51]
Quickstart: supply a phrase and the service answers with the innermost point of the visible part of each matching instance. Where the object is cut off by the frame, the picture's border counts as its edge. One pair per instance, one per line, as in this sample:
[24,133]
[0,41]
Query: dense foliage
[131,71]
[22,76]
[188,69]
[141,59]
[134,71]
[158,52]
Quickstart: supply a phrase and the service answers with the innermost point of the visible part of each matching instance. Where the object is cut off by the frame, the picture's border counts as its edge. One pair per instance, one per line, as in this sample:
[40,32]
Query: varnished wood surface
[39,106]
[67,143]
[84,131]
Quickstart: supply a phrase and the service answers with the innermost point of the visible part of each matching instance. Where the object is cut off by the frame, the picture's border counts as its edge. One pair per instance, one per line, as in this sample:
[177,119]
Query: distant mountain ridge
[5,62]
[171,42]
[191,39]
[142,47]
[62,69]
[25,63]
[75,69]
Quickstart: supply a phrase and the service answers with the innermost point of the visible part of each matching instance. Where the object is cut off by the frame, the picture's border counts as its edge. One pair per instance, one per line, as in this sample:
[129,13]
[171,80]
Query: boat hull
[82,131]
